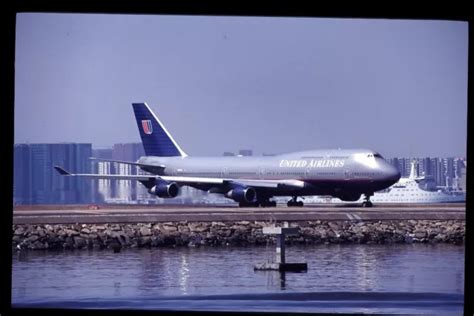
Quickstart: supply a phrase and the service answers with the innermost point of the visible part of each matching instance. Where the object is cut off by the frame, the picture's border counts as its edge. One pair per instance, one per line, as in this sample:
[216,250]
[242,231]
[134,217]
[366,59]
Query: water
[341,278]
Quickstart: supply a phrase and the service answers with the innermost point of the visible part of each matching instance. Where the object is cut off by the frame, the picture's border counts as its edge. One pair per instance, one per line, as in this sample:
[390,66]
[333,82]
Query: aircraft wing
[255,183]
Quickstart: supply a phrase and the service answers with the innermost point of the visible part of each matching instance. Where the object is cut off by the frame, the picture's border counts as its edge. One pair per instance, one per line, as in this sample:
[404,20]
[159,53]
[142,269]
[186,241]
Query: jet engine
[242,194]
[164,189]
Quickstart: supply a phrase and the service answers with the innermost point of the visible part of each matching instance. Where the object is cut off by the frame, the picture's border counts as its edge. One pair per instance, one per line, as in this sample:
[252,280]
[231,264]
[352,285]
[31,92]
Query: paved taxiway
[172,213]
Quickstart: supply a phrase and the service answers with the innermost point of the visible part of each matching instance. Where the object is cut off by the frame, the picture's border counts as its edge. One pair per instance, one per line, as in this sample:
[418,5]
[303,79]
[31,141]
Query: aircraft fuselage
[324,172]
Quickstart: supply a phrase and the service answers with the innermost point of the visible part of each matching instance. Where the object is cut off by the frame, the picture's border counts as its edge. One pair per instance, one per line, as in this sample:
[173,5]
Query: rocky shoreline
[241,233]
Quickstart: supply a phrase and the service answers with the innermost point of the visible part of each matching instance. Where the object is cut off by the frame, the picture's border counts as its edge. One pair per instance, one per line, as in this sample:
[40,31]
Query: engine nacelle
[165,189]
[350,197]
[242,194]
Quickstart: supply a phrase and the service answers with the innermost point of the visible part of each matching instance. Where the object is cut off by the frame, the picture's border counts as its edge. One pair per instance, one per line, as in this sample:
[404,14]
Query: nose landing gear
[367,202]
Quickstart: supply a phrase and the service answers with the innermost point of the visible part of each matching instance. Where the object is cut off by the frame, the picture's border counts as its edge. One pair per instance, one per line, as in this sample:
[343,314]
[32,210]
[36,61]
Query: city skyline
[234,152]
[222,83]
[36,181]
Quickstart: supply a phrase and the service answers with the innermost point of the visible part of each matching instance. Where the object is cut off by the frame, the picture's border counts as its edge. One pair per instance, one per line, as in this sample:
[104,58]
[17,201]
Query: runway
[66,214]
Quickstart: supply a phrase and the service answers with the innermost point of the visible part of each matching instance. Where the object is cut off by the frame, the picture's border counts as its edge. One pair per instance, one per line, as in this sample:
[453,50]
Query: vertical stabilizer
[157,141]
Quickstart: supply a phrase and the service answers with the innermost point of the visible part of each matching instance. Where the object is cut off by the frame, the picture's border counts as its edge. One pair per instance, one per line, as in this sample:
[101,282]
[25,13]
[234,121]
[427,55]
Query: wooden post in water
[280,260]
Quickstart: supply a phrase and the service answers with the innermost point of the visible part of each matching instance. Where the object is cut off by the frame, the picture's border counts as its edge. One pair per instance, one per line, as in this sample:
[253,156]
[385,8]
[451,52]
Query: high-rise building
[425,167]
[434,168]
[127,151]
[462,177]
[103,188]
[36,181]
[22,182]
[127,189]
[105,153]
[121,191]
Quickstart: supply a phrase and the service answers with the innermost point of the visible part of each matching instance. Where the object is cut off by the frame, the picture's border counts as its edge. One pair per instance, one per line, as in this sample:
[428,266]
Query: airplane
[249,180]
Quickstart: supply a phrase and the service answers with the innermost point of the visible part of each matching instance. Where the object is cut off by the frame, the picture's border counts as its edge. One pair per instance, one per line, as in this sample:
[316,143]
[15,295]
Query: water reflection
[365,263]
[43,275]
[184,274]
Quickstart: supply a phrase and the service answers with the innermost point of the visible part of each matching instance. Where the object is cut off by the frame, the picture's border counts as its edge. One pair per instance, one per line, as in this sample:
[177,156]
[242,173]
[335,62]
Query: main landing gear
[294,202]
[367,202]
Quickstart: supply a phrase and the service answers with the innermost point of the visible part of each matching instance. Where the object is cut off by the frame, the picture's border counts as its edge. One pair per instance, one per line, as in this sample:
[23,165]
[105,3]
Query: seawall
[235,233]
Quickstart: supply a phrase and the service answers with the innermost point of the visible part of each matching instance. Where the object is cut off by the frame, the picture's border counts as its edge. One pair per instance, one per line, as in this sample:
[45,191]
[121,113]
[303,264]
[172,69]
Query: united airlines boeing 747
[253,181]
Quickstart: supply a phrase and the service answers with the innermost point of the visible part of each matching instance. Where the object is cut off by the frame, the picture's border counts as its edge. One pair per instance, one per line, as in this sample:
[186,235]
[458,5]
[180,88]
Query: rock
[219,224]
[38,245]
[115,227]
[19,231]
[130,233]
[79,242]
[183,228]
[240,227]
[333,226]
[195,241]
[85,231]
[168,228]
[32,238]
[144,231]
[420,235]
[144,241]
[198,227]
[70,232]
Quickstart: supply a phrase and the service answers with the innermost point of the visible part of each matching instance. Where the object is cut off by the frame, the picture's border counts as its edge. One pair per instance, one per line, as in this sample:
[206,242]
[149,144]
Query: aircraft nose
[392,173]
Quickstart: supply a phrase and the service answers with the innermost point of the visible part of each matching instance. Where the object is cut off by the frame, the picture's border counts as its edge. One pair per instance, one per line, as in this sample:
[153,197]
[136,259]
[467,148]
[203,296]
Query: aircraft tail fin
[157,141]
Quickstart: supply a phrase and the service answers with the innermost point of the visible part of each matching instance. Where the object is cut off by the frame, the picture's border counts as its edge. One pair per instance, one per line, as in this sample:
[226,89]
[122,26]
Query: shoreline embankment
[234,233]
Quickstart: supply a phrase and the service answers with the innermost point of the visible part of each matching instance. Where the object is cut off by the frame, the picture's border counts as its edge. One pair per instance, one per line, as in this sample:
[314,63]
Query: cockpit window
[378,155]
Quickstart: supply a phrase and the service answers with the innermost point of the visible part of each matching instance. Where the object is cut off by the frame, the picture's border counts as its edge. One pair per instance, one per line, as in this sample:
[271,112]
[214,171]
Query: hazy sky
[225,83]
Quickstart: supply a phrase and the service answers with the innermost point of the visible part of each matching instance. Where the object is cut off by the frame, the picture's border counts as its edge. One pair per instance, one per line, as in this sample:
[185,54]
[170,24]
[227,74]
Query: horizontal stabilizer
[62,171]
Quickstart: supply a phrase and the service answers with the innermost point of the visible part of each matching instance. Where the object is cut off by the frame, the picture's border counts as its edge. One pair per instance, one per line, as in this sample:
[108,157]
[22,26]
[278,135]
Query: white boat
[414,189]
